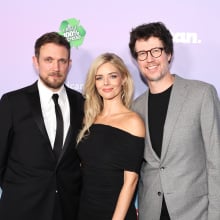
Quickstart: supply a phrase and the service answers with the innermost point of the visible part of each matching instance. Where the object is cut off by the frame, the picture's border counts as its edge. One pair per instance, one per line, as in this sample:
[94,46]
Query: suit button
[159,193]
[56,191]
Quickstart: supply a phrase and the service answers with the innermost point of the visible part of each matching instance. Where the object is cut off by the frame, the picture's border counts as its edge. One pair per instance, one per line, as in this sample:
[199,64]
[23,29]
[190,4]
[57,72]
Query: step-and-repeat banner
[96,26]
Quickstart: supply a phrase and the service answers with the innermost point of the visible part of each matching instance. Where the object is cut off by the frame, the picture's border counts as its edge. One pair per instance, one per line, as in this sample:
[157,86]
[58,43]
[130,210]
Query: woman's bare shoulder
[134,124]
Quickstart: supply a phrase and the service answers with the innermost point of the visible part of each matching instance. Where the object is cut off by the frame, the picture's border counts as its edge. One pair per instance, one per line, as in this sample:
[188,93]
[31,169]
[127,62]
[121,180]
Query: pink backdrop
[194,24]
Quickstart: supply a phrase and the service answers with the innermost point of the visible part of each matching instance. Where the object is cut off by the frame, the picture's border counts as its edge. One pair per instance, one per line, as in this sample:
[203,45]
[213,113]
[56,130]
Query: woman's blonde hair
[93,101]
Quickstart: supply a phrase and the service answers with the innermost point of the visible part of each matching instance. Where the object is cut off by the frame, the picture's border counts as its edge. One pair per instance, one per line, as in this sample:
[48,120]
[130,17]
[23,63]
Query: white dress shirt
[48,110]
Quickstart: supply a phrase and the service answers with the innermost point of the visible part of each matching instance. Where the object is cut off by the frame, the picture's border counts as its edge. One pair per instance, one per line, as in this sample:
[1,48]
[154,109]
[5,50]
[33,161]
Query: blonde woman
[110,144]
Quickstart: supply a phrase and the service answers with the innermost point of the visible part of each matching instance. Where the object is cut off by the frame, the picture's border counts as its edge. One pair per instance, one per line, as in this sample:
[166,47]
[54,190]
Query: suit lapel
[70,135]
[148,149]
[68,140]
[34,100]
[177,99]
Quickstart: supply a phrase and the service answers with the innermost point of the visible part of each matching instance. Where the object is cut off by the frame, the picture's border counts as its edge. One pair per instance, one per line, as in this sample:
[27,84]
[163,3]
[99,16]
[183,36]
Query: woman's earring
[122,93]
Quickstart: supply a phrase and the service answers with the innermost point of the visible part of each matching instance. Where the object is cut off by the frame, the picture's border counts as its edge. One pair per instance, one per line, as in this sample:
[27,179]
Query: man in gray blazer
[180,176]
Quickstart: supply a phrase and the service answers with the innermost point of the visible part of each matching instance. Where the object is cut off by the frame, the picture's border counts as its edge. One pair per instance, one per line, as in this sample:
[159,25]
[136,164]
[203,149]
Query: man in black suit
[36,184]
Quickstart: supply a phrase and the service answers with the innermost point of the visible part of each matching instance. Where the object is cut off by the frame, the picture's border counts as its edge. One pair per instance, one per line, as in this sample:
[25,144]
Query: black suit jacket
[30,176]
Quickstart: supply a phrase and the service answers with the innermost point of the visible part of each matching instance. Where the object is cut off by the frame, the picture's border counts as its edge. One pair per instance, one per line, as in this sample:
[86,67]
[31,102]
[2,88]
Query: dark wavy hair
[154,29]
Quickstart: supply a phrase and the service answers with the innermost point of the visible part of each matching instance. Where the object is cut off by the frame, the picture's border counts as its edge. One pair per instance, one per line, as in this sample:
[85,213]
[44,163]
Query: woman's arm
[126,195]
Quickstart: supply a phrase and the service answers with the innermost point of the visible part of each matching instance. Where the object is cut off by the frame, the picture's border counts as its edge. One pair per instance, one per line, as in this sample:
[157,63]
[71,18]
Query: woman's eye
[98,78]
[113,76]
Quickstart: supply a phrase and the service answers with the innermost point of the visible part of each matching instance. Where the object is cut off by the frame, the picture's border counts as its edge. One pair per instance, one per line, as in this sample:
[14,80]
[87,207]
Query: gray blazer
[188,172]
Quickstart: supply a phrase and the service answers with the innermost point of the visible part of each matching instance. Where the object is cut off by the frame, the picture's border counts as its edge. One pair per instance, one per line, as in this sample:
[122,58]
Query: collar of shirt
[46,94]
[47,106]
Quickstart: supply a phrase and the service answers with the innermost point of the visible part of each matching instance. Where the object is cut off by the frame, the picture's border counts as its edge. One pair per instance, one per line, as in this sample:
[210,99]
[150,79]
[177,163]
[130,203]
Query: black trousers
[57,215]
[164,212]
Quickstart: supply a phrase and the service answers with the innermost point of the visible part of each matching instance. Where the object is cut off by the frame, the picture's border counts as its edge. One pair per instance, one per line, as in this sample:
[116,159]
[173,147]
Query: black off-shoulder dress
[105,153]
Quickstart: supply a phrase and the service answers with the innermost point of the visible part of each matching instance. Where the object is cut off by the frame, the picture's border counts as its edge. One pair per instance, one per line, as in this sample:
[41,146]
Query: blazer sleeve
[6,134]
[210,127]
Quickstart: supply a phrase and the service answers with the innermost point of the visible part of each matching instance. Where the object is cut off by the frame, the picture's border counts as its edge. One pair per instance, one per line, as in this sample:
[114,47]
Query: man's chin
[155,78]
[54,86]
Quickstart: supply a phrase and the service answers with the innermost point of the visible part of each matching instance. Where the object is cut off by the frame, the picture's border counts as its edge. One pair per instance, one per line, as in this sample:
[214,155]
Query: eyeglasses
[154,52]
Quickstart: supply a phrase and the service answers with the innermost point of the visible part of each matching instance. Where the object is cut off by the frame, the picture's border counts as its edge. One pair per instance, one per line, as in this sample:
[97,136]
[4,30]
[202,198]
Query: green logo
[73,31]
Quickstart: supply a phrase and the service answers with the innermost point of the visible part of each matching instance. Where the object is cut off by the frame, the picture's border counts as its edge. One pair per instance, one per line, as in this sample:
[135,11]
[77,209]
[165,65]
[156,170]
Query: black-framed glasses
[154,52]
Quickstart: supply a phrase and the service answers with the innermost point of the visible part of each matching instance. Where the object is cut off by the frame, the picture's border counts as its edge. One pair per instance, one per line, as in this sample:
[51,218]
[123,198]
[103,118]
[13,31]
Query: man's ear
[35,62]
[169,58]
[70,65]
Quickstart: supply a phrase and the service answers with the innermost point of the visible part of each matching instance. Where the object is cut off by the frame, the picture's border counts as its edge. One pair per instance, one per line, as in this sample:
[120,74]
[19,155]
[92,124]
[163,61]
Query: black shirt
[157,111]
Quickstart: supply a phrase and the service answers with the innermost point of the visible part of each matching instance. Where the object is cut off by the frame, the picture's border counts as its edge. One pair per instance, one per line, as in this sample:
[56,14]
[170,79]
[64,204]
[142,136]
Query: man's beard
[54,84]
